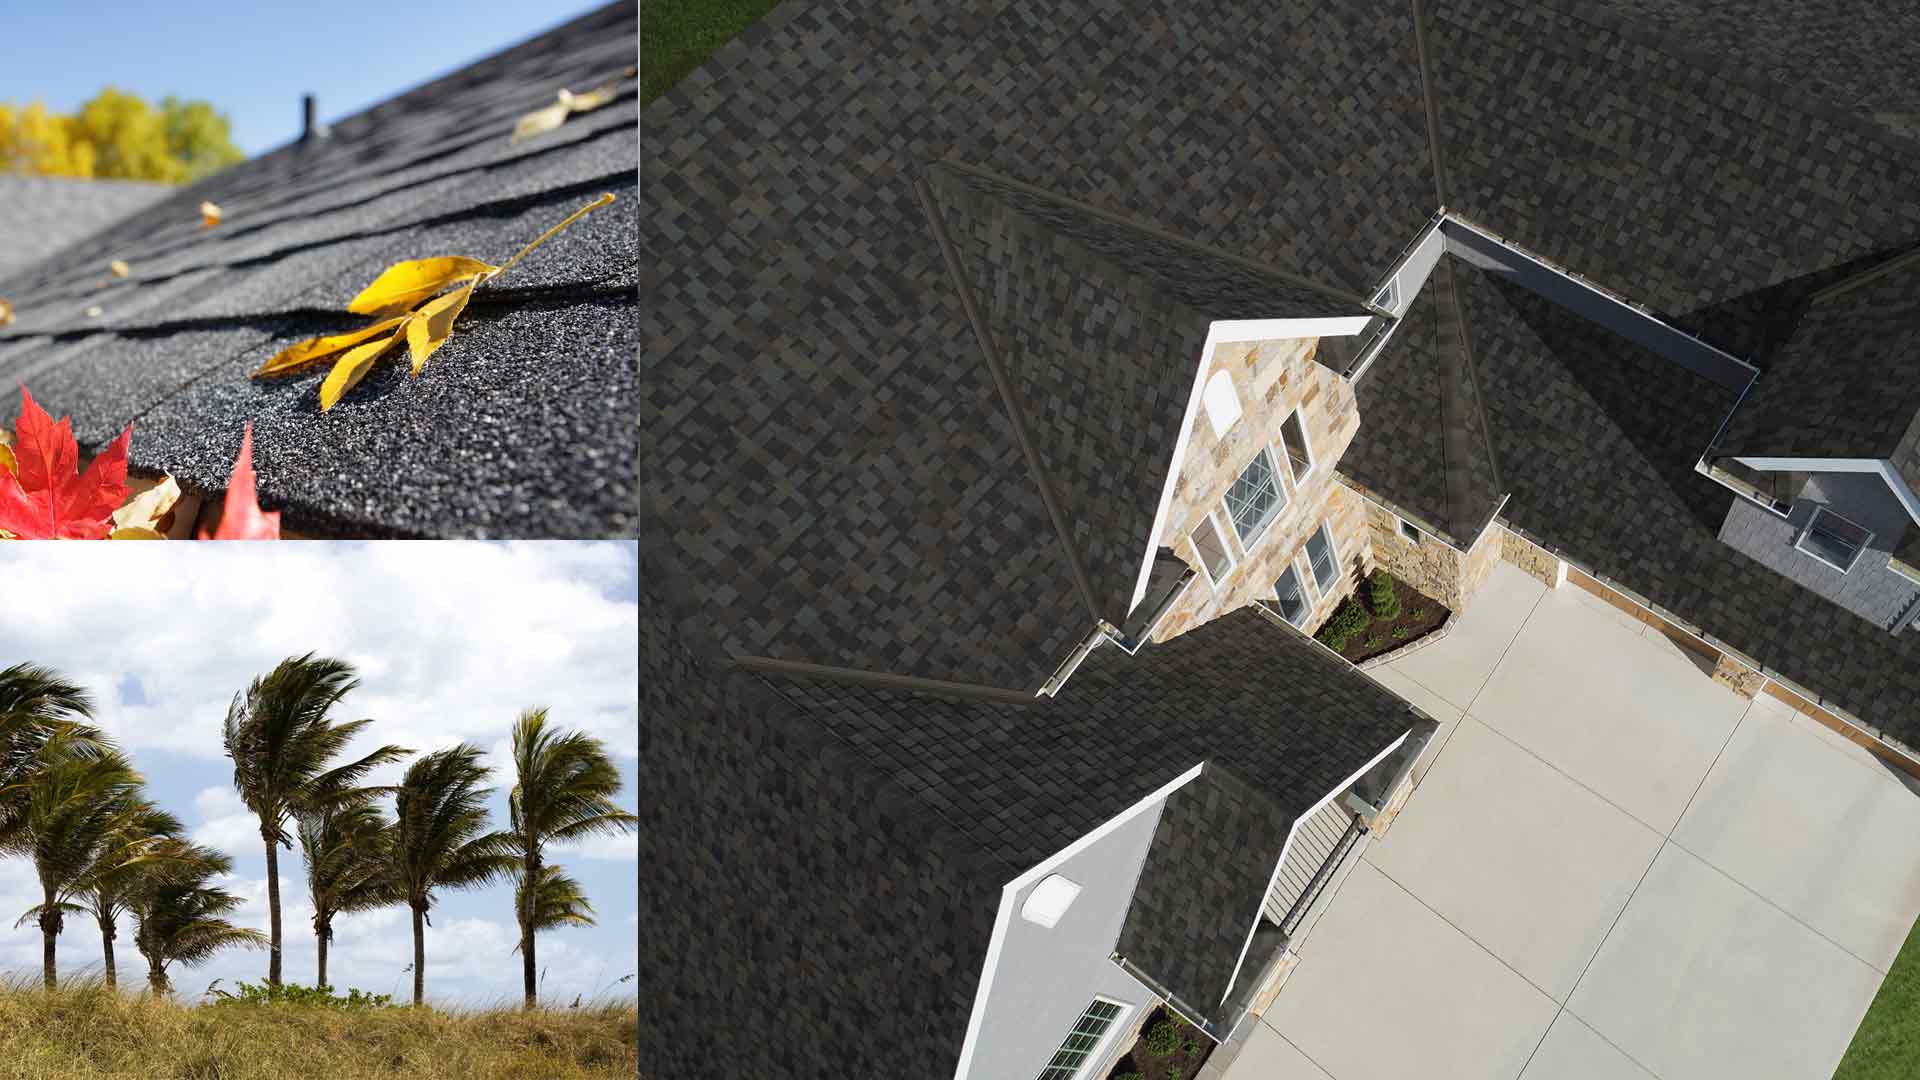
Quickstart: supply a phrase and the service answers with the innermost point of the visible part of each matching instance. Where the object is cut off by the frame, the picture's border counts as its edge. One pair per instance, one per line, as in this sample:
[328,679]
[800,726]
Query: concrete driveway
[1612,867]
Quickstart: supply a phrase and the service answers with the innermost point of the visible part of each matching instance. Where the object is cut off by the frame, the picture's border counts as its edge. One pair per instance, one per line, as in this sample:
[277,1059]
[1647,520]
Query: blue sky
[254,60]
[451,640]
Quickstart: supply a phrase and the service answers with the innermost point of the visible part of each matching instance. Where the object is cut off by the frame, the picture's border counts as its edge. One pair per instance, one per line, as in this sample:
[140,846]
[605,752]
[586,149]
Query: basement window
[1409,531]
[1223,405]
[1084,1042]
[1833,539]
[1256,498]
[1212,549]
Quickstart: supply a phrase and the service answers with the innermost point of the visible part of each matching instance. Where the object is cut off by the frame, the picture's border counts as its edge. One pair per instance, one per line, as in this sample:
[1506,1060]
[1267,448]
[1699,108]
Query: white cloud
[226,823]
[625,846]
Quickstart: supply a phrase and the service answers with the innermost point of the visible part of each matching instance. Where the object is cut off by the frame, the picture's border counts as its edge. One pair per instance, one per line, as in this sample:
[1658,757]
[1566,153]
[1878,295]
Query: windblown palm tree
[180,918]
[138,845]
[36,705]
[74,803]
[564,790]
[558,901]
[441,839]
[283,742]
[345,852]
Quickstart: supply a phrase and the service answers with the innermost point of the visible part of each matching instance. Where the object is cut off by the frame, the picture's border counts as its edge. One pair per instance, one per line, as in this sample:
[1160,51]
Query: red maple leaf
[242,518]
[49,498]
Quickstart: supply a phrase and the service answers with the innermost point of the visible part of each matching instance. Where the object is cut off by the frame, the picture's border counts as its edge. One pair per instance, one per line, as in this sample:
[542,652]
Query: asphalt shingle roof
[39,215]
[522,423]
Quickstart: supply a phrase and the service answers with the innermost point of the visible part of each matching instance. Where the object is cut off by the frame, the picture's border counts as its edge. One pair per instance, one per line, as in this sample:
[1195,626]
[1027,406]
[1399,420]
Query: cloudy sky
[451,641]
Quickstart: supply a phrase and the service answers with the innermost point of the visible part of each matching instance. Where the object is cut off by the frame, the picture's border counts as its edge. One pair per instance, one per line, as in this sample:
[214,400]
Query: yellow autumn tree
[117,136]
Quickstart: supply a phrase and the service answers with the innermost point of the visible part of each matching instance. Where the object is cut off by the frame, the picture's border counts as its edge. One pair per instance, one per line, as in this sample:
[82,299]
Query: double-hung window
[1084,1041]
[1833,539]
[1256,498]
[1211,546]
[1293,434]
[1321,556]
[1292,594]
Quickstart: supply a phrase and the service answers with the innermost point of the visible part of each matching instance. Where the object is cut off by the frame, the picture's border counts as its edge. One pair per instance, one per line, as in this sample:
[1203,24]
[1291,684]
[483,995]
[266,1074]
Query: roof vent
[310,126]
[1049,900]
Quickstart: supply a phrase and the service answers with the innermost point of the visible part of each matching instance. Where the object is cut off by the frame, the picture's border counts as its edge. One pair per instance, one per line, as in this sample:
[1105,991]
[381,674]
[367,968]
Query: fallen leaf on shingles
[6,313]
[398,288]
[209,215]
[145,510]
[46,496]
[402,285]
[241,517]
[566,104]
[119,268]
[94,312]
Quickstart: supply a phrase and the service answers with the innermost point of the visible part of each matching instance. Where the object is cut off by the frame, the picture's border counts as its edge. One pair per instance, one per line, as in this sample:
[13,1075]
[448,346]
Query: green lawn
[675,35]
[1887,1046]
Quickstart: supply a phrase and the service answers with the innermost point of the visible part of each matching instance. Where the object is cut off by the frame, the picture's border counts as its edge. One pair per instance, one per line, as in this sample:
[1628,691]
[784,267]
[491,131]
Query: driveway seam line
[1299,1049]
[1577,782]
[1543,991]
[1763,898]
[1665,839]
[1495,669]
[1465,709]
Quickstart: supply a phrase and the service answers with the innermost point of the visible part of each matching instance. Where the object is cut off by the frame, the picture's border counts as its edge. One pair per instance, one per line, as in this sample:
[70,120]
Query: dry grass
[85,1031]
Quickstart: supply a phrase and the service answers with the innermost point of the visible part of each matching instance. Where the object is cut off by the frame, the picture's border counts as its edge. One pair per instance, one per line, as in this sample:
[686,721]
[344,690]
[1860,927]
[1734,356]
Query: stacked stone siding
[1442,572]
[1272,379]
[1530,557]
[1742,679]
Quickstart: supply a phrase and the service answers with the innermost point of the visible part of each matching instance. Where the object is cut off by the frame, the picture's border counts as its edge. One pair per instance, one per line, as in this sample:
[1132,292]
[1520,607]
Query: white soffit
[1226,331]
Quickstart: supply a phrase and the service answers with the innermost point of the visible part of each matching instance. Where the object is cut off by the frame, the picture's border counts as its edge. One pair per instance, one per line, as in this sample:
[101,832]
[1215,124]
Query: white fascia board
[1281,862]
[1894,481]
[1225,331]
[1221,332]
[1011,892]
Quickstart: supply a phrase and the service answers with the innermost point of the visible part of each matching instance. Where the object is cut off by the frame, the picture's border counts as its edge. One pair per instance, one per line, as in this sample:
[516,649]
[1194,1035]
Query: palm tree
[74,804]
[138,844]
[558,901]
[282,741]
[180,918]
[345,852]
[441,838]
[564,789]
[36,705]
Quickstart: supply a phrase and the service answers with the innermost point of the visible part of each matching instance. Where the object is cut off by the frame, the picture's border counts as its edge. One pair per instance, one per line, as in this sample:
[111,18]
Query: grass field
[1887,1045]
[675,35]
[88,1032]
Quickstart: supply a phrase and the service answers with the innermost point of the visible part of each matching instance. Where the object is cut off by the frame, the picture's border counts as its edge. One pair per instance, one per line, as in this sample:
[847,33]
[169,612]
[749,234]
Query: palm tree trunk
[157,977]
[273,907]
[419,954]
[323,929]
[49,933]
[106,950]
[528,968]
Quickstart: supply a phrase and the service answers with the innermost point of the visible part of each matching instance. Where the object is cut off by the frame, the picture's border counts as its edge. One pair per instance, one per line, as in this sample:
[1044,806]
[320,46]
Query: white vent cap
[1049,900]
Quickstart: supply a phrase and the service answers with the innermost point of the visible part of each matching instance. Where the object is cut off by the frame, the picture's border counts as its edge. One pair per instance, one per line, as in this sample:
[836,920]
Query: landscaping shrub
[295,994]
[1347,620]
[1382,597]
[1163,1038]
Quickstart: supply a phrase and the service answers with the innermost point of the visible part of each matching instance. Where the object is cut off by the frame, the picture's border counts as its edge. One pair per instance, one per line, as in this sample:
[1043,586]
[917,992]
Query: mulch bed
[1419,616]
[1181,1064]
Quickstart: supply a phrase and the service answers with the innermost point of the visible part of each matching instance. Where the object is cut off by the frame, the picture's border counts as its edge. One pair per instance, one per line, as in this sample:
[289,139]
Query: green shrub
[1374,641]
[295,994]
[1347,620]
[1163,1038]
[1399,631]
[1382,597]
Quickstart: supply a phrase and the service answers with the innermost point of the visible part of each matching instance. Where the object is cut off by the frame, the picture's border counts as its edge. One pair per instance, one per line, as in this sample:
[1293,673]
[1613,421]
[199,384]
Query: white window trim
[1307,590]
[1280,486]
[1333,549]
[1822,559]
[1388,298]
[1090,1065]
[1313,458]
[1419,535]
[1220,534]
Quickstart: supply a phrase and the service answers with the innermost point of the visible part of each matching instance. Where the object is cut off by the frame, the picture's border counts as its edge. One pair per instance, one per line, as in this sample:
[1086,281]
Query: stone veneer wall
[1272,378]
[1435,568]
[1537,561]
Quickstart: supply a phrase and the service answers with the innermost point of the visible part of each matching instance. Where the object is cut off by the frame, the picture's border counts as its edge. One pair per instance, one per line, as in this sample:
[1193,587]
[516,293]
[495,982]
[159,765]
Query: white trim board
[1894,481]
[1011,891]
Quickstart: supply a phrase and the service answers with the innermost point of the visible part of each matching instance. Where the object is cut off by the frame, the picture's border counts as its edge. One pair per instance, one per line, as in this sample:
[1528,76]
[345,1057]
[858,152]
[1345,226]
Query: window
[1049,900]
[1088,1033]
[1256,498]
[1293,433]
[1292,595]
[1409,531]
[1832,539]
[1223,405]
[1321,556]
[1212,549]
[1389,297]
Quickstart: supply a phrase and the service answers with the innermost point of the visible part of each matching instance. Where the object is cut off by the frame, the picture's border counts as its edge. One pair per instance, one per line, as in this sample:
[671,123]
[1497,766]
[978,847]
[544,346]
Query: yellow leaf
[6,313]
[134,532]
[119,268]
[94,312]
[209,215]
[429,327]
[353,367]
[314,350]
[6,459]
[402,285]
[145,510]
[539,120]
